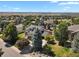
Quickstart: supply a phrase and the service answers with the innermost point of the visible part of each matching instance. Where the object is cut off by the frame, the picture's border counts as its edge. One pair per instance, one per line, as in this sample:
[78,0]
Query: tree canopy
[10,33]
[37,40]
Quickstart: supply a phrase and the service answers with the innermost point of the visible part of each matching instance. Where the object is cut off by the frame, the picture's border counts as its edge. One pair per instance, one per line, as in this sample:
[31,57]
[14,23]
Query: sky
[39,6]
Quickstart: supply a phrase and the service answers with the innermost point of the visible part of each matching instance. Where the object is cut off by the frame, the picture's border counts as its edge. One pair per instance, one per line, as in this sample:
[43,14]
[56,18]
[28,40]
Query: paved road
[9,51]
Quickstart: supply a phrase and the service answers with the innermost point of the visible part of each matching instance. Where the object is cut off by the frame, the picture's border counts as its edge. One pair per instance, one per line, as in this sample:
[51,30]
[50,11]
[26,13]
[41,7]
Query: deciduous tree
[10,33]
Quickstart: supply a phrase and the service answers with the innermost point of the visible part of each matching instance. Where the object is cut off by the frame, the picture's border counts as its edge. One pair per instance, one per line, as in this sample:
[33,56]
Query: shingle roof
[49,21]
[73,28]
[31,29]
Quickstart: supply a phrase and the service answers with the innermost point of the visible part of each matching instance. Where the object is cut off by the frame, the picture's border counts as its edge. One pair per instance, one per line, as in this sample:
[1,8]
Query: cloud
[69,3]
[54,1]
[66,8]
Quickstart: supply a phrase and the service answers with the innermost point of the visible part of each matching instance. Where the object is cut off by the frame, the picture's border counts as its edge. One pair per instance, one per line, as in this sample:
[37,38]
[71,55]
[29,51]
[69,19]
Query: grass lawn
[21,36]
[1,35]
[60,51]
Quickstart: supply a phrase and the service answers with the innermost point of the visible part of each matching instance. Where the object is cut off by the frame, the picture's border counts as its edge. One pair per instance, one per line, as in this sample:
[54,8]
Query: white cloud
[66,8]
[54,1]
[69,3]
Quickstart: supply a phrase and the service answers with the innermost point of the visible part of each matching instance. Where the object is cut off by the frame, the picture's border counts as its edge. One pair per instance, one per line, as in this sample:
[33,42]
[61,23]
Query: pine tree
[37,40]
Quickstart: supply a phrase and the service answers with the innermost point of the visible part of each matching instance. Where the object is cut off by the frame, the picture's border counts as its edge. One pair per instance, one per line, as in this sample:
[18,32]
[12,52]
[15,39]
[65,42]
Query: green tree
[27,22]
[75,20]
[10,33]
[37,40]
[56,34]
[49,39]
[47,49]
[3,24]
[63,33]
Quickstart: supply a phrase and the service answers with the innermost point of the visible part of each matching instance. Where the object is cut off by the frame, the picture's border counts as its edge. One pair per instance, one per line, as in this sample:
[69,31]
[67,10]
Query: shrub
[49,39]
[1,35]
[22,43]
[47,49]
[21,36]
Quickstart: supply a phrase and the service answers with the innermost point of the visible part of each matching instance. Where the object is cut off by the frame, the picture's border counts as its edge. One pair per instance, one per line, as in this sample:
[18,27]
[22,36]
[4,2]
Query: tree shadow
[1,52]
[26,50]
[51,54]
[48,53]
[8,45]
[51,42]
[29,49]
[67,44]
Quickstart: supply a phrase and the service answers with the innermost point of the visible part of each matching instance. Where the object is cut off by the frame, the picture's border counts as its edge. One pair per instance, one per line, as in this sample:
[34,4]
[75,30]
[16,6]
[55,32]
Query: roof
[19,25]
[34,27]
[48,21]
[73,28]
[31,29]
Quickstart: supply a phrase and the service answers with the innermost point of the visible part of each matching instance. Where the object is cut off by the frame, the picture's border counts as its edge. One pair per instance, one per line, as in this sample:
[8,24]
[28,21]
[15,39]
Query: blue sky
[39,6]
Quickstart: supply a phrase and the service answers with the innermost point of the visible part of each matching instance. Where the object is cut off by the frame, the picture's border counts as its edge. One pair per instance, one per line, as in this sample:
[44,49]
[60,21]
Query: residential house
[31,29]
[73,30]
[19,28]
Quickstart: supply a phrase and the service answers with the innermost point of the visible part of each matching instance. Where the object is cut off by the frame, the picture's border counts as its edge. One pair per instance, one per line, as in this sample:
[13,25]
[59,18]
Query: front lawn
[1,35]
[60,51]
[21,36]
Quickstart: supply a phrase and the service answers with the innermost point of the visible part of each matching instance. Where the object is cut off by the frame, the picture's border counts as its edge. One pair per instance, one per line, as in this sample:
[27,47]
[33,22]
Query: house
[73,30]
[19,28]
[49,24]
[31,29]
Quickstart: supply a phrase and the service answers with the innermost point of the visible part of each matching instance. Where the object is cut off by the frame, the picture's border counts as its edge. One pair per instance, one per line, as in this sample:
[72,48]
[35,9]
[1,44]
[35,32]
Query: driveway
[13,51]
[9,51]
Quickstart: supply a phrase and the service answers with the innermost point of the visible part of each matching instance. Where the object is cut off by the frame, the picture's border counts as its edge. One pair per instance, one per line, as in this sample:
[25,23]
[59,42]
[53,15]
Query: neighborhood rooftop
[73,28]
